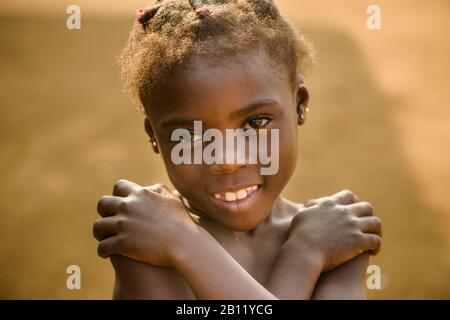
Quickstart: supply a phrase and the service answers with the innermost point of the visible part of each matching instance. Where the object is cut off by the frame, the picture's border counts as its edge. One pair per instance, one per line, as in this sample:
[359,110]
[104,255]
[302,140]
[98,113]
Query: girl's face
[238,94]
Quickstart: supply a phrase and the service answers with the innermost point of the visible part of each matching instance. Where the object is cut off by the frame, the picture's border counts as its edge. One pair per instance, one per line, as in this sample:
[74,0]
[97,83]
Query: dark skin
[263,248]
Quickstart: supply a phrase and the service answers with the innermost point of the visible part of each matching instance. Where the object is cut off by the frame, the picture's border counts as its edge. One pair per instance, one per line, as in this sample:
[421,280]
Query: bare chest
[257,255]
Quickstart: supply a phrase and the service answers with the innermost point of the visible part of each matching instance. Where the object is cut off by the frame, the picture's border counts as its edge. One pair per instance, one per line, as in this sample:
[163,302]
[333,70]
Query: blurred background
[379,125]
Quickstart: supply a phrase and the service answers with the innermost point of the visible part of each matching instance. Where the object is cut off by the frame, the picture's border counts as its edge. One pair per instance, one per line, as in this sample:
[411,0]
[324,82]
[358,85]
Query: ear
[302,100]
[151,134]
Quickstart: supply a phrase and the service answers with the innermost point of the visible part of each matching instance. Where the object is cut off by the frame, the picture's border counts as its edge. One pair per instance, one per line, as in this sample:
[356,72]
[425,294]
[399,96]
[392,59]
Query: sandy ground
[378,125]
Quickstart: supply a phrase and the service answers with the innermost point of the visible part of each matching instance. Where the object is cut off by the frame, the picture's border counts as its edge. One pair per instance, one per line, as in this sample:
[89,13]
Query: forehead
[217,87]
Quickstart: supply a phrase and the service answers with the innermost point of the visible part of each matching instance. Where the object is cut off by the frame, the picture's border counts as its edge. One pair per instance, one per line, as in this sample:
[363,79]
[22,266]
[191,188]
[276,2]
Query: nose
[226,168]
[239,160]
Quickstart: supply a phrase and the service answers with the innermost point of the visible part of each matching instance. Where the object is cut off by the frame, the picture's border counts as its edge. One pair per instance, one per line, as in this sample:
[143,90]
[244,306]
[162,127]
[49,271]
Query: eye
[195,137]
[258,122]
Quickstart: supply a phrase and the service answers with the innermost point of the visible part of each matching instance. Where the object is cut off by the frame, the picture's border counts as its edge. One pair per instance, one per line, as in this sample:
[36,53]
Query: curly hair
[169,34]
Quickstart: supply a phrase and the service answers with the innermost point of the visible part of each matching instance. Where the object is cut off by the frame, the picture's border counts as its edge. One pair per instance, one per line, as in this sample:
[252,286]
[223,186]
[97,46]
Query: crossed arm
[166,237]
[294,276]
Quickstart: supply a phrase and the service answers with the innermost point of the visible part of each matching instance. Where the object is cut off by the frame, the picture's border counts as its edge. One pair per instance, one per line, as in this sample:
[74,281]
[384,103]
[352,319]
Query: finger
[163,190]
[313,202]
[310,203]
[105,228]
[123,188]
[370,225]
[108,205]
[372,243]
[344,197]
[109,246]
[361,209]
[376,251]
[159,188]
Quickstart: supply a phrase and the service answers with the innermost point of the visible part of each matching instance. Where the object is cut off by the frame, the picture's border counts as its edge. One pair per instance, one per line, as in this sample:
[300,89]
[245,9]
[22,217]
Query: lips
[240,194]
[239,199]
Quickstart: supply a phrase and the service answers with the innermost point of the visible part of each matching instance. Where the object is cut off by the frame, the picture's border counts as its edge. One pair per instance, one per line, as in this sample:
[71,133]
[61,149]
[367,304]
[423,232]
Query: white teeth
[241,194]
[230,196]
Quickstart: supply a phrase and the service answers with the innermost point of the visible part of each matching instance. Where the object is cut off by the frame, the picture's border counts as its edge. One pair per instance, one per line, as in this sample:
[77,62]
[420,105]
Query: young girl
[226,233]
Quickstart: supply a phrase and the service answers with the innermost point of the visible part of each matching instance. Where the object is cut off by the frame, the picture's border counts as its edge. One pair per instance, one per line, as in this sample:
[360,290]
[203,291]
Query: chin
[243,226]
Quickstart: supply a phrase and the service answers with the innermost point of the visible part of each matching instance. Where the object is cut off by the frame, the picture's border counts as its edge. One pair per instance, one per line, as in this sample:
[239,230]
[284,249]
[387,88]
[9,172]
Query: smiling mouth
[236,200]
[240,194]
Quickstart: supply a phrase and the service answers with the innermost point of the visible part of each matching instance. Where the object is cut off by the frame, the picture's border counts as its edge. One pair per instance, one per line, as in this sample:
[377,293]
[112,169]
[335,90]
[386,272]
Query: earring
[154,145]
[304,111]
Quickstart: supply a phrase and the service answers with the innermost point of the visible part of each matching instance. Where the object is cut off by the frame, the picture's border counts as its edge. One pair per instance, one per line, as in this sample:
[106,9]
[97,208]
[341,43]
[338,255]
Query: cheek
[288,153]
[182,175]
[186,179]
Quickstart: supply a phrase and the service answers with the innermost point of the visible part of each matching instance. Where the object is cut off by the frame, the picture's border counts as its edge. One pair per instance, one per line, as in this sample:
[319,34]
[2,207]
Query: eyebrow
[252,107]
[177,122]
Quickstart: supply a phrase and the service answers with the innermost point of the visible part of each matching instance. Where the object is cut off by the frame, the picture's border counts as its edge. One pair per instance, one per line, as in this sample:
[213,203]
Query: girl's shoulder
[288,207]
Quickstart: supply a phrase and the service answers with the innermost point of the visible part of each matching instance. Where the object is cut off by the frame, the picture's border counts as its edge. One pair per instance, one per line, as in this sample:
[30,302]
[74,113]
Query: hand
[144,223]
[337,228]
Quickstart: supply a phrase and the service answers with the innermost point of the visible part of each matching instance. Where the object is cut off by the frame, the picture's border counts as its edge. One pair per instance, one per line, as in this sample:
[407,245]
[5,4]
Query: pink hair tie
[144,15]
